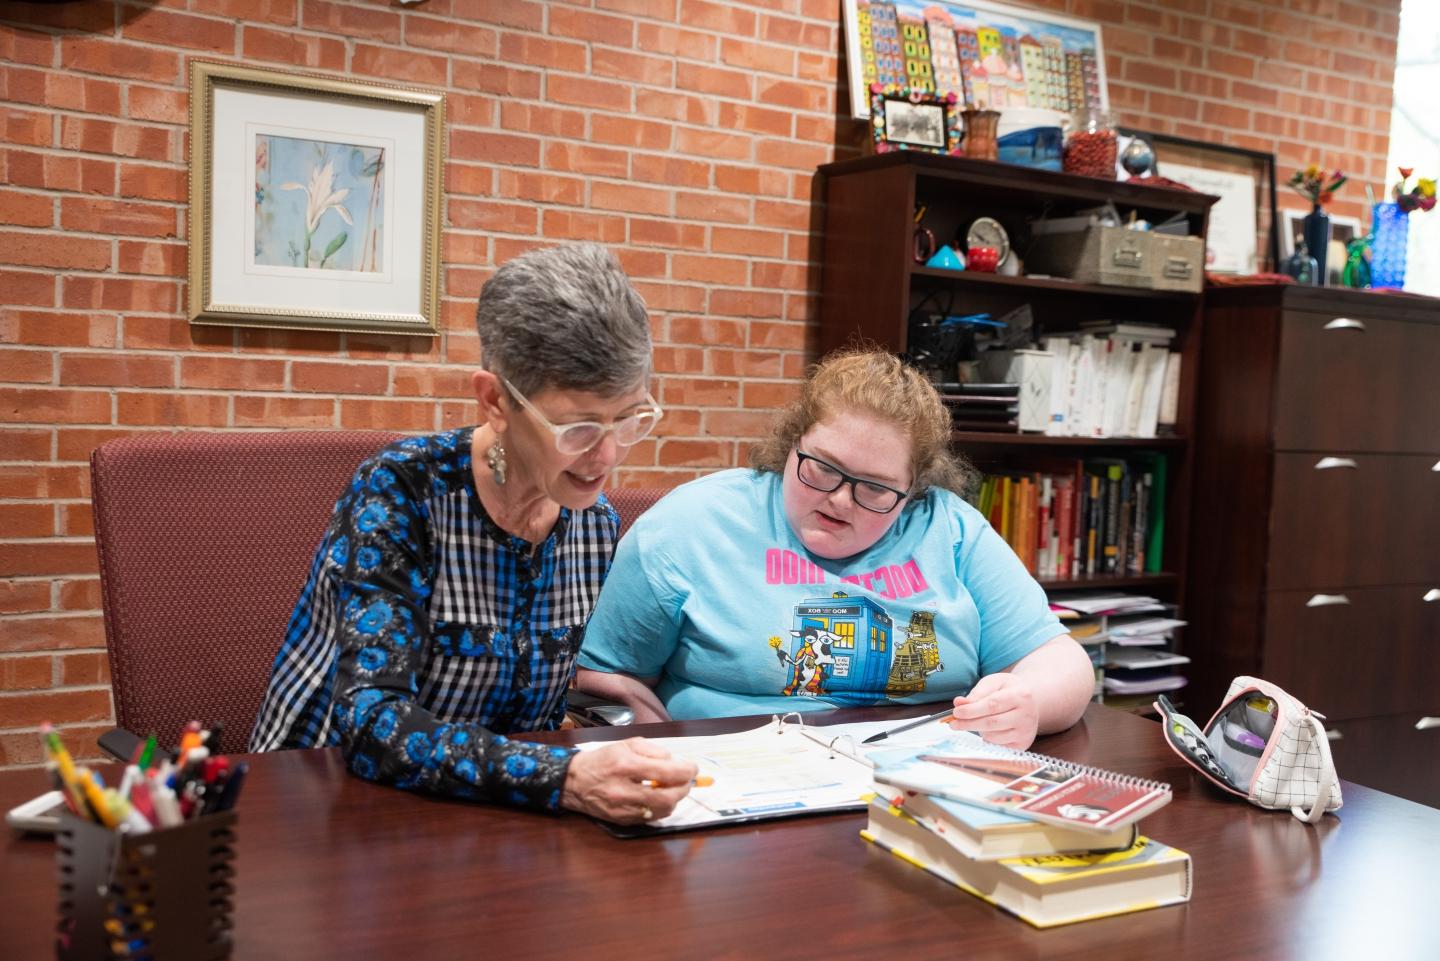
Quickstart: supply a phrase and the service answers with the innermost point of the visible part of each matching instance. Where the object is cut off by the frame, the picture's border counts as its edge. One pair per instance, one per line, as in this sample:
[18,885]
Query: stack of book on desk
[1049,841]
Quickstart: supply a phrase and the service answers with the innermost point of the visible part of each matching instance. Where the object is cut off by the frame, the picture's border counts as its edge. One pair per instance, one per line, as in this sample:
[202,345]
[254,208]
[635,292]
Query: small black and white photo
[920,125]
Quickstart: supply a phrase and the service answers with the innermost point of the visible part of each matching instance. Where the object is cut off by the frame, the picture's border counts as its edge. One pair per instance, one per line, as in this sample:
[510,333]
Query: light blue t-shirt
[713,593]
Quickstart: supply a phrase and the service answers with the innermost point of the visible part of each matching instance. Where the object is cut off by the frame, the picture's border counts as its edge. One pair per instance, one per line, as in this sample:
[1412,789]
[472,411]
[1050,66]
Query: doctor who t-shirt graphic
[846,648]
[713,596]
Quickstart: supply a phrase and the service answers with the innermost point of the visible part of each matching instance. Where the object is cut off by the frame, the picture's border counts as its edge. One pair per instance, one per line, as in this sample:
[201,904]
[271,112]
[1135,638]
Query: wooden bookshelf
[870,284]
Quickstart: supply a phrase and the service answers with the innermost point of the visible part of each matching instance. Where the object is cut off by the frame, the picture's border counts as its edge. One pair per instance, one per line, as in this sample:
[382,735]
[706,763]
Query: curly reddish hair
[876,383]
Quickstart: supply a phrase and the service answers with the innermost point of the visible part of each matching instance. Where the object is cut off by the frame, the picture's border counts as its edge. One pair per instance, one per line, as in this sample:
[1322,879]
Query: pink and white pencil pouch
[1264,745]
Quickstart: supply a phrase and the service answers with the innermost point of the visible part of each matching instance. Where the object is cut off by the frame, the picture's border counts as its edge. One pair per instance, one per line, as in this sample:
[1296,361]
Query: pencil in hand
[703,780]
[910,725]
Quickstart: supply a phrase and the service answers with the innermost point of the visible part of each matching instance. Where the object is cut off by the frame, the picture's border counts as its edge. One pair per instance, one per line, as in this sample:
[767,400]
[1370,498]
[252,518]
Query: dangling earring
[495,459]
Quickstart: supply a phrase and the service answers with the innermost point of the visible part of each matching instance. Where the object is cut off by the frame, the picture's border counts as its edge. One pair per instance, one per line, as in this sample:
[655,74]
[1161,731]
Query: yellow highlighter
[96,797]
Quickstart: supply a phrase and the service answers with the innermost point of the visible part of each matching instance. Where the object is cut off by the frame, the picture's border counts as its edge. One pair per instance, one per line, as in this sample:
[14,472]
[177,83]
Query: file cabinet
[1315,555]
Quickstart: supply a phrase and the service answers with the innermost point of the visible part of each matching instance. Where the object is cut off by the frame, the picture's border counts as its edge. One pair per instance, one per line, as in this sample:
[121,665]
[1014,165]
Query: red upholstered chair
[631,502]
[205,541]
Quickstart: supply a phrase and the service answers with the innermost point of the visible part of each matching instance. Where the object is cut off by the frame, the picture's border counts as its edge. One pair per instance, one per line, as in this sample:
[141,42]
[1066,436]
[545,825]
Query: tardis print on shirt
[845,648]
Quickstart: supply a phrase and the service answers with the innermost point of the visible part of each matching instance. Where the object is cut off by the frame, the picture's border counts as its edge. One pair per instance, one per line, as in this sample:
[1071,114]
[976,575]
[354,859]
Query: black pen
[909,725]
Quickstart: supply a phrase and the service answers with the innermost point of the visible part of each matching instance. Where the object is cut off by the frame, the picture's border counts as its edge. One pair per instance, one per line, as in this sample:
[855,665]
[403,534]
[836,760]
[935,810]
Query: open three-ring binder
[783,768]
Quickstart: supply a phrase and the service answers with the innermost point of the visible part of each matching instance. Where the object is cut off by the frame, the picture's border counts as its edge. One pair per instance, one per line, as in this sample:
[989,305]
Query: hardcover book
[986,835]
[1044,891]
[964,767]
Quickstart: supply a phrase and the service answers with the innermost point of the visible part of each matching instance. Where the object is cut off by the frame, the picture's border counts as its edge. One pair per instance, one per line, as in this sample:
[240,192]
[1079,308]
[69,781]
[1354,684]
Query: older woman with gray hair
[447,599]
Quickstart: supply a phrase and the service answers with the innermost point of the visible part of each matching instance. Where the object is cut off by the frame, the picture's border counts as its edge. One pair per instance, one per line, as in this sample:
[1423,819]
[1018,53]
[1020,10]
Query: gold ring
[647,814]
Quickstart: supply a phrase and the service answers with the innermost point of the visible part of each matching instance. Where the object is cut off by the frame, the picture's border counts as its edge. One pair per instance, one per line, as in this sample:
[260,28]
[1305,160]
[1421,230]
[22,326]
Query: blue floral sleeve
[382,544]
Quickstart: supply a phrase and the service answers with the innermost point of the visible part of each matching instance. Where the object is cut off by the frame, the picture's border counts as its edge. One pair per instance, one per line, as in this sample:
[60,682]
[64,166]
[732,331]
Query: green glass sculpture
[1357,263]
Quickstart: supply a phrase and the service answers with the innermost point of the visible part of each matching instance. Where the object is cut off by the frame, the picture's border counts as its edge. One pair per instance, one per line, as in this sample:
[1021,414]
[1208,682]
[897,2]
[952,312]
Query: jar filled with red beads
[1090,148]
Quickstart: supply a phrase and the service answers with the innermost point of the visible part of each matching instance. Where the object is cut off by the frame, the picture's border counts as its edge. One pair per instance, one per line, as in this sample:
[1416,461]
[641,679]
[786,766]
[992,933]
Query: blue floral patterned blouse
[425,632]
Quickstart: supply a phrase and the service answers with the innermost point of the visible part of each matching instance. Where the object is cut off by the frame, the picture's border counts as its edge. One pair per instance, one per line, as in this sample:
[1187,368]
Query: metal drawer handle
[1431,595]
[1332,735]
[1326,600]
[1329,463]
[1346,323]
[1427,723]
[1128,258]
[1178,268]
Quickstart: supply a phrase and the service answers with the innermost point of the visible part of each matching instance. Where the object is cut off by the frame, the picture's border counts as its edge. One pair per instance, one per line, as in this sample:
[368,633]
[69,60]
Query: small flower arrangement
[1419,197]
[1315,185]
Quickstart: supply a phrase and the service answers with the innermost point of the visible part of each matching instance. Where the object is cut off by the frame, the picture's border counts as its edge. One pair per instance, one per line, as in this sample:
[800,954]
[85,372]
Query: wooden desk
[330,866]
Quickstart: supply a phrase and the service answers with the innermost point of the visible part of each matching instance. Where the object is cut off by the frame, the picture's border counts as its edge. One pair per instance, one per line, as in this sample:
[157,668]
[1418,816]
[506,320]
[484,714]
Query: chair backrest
[631,502]
[205,541]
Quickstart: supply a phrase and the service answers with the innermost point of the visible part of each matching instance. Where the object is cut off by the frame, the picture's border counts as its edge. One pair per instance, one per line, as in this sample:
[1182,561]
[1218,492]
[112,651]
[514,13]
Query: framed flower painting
[315,202]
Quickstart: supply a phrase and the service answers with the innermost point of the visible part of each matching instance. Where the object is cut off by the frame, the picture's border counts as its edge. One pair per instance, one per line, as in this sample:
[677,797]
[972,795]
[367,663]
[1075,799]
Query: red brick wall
[682,133]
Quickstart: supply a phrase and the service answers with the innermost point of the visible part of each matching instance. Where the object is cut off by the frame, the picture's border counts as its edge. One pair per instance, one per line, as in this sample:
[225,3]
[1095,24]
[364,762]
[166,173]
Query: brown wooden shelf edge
[1050,285]
[1007,176]
[974,438]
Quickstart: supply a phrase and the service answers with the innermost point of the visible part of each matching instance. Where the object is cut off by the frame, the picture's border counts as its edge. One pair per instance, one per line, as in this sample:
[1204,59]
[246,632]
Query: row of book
[1047,840]
[1107,379]
[1084,516]
[1112,380]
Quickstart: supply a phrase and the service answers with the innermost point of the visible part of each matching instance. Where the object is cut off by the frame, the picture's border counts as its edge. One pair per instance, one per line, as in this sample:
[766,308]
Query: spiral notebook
[966,768]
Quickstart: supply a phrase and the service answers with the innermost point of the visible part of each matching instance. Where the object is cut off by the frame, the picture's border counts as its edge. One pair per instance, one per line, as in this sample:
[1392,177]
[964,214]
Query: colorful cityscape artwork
[990,55]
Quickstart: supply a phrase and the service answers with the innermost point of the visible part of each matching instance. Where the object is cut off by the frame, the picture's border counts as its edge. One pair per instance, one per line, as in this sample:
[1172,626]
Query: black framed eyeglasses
[581,436]
[826,477]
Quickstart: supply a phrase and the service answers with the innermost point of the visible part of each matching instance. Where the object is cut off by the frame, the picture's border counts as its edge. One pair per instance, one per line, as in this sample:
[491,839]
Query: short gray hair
[567,318]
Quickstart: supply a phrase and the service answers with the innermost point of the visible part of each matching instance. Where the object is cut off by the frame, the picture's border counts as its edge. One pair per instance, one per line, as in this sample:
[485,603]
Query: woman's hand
[1043,692]
[606,782]
[1002,709]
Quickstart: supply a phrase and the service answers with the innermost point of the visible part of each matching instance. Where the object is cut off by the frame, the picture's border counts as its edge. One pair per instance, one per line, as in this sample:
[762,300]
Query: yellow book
[1044,891]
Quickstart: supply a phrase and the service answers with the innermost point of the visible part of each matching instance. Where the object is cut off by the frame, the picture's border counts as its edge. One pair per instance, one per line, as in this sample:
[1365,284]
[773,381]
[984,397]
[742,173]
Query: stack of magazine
[1047,840]
[1130,640]
[990,407]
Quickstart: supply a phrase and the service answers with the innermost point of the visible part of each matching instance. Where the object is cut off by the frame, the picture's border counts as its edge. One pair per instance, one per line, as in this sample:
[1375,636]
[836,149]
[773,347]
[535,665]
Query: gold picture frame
[315,202]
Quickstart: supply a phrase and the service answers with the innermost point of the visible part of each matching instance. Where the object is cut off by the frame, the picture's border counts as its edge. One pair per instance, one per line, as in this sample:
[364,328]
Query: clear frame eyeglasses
[826,477]
[581,436]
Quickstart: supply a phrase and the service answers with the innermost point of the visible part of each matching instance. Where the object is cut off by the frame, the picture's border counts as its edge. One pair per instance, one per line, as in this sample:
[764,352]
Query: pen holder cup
[162,895]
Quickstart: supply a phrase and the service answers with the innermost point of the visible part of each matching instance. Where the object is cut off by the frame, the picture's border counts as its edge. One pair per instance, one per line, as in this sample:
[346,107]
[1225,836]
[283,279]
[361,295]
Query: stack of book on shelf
[1130,642]
[1096,515]
[1047,840]
[1113,380]
[989,407]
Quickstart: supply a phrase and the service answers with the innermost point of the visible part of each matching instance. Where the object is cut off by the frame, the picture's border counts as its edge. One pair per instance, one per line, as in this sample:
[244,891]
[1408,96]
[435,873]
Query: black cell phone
[122,745]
